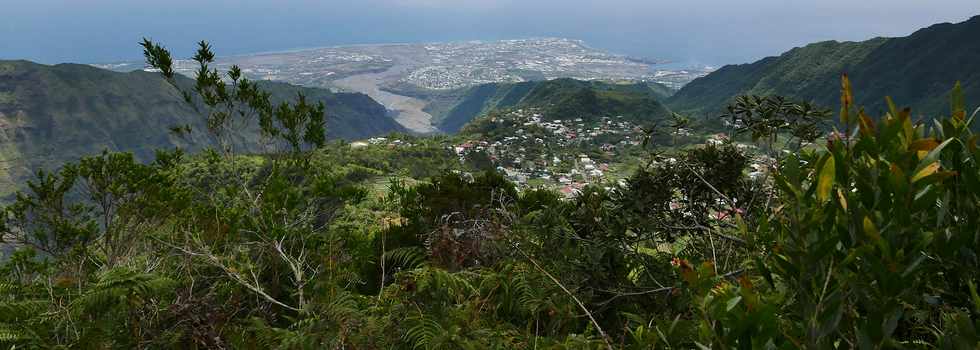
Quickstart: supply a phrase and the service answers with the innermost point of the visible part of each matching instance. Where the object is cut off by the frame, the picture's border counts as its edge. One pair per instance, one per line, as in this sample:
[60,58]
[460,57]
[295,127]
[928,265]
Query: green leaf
[915,264]
[785,185]
[762,268]
[733,302]
[974,295]
[833,315]
[791,170]
[891,323]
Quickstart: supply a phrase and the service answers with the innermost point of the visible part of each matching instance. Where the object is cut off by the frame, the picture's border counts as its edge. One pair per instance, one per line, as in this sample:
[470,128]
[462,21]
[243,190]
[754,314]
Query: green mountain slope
[560,98]
[919,70]
[480,99]
[50,114]
[350,116]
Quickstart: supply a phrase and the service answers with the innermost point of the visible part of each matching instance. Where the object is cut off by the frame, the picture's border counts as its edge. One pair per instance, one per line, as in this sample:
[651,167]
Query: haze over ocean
[54,31]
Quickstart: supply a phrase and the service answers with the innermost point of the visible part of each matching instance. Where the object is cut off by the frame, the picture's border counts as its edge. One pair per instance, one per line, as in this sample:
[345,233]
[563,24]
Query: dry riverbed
[408,110]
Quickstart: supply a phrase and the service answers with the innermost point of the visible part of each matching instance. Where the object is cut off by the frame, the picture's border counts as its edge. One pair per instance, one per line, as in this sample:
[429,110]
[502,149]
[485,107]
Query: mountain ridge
[563,96]
[916,70]
[50,114]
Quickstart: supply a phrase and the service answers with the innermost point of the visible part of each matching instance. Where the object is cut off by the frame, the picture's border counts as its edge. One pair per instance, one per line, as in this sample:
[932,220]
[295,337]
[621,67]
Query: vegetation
[868,241]
[56,114]
[571,98]
[917,69]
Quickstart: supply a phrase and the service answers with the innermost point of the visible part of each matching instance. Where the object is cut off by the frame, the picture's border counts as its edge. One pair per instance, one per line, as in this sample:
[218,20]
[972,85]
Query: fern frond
[424,334]
[121,285]
[11,335]
[342,308]
[19,311]
[405,257]
[305,333]
[453,285]
[7,288]
[305,323]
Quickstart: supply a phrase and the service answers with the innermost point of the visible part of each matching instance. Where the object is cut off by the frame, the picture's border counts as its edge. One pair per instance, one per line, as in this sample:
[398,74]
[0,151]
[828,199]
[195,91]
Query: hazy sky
[695,31]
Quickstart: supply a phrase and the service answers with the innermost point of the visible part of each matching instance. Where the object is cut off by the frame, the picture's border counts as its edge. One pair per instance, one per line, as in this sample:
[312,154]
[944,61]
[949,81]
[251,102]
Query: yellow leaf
[892,110]
[825,182]
[846,99]
[867,126]
[928,170]
[924,144]
[921,154]
[907,127]
[960,115]
[870,229]
[842,199]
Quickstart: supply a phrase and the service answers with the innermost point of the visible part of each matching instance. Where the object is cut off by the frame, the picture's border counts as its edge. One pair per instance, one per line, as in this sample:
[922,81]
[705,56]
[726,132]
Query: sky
[703,32]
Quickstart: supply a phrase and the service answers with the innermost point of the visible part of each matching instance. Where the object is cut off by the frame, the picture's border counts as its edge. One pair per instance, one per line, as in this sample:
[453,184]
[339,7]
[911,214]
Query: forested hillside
[569,98]
[917,69]
[53,114]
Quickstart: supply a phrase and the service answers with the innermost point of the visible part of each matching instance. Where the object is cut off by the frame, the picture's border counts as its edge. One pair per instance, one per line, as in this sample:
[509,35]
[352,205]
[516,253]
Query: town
[442,66]
[564,154]
[462,64]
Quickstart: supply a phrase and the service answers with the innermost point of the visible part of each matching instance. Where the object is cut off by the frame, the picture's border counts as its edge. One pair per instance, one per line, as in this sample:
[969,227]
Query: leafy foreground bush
[869,242]
[872,244]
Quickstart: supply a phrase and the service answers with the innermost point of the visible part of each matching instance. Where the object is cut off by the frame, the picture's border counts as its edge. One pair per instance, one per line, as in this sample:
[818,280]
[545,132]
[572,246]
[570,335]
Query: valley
[385,71]
[407,111]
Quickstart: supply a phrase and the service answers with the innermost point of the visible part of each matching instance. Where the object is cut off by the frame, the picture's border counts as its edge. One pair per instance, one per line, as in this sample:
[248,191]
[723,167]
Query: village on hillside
[566,155]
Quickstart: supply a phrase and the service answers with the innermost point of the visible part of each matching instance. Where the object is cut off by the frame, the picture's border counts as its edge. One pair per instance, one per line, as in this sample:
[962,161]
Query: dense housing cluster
[564,154]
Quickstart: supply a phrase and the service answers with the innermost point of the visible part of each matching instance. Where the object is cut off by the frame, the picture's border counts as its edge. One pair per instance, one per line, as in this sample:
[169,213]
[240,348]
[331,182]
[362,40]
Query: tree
[232,103]
[49,218]
[766,117]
